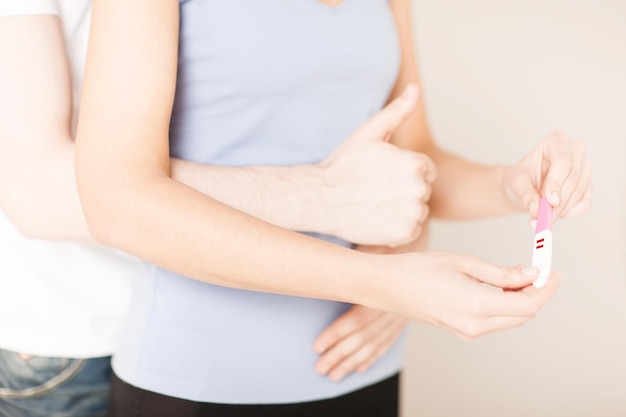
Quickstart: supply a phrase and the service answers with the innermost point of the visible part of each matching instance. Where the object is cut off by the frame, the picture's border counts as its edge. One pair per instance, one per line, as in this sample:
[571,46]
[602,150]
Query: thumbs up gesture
[379,192]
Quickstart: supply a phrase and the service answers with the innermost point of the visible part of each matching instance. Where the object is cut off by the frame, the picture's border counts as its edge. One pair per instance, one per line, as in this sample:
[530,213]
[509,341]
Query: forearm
[131,202]
[209,241]
[467,190]
[41,198]
[292,197]
[42,201]
[37,184]
[462,189]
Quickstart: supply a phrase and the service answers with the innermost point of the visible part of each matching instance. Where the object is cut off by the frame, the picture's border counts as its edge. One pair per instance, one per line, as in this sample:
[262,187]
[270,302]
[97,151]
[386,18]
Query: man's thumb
[388,119]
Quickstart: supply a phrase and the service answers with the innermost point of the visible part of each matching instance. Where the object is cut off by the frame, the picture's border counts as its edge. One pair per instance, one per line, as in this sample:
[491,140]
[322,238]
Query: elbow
[99,203]
[20,210]
[97,211]
[114,191]
[110,200]
[20,223]
[99,225]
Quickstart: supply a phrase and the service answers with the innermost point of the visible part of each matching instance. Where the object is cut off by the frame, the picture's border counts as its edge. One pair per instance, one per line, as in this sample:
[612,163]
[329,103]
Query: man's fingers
[426,167]
[388,119]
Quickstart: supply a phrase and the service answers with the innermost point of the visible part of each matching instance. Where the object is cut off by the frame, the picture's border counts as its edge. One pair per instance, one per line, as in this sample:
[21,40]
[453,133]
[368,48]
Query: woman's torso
[272,82]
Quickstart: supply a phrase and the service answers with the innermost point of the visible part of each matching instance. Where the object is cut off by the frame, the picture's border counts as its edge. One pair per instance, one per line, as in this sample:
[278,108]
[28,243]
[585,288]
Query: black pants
[379,400]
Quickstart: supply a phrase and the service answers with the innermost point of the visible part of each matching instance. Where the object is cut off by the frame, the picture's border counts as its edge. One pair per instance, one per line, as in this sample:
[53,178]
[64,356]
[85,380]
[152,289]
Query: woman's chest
[272,45]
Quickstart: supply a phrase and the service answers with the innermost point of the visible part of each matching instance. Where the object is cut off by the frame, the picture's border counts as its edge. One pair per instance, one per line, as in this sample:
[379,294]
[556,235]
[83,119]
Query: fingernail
[336,376]
[409,91]
[533,208]
[530,271]
[554,199]
[323,369]
[533,223]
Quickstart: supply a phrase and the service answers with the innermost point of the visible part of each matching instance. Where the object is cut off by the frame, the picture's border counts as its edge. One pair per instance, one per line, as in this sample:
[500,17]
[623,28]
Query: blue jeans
[39,386]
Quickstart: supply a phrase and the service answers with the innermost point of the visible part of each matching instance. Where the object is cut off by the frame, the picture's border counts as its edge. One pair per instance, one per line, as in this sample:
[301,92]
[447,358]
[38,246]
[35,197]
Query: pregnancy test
[542,249]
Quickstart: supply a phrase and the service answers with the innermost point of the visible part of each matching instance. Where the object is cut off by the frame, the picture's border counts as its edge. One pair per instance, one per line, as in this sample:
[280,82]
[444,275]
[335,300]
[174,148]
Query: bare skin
[400,283]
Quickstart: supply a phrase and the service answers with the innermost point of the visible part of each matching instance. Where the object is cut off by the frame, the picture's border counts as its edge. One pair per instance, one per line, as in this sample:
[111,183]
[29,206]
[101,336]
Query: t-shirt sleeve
[28,7]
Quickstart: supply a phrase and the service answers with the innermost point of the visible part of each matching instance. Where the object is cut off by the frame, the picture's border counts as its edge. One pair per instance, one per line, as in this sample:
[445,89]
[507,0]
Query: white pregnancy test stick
[542,249]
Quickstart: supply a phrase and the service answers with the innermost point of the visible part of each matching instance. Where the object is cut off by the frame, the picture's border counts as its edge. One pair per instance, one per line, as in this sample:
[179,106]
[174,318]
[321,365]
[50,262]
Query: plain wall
[497,76]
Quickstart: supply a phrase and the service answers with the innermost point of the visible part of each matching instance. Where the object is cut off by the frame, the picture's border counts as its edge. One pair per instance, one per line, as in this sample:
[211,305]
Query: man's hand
[377,191]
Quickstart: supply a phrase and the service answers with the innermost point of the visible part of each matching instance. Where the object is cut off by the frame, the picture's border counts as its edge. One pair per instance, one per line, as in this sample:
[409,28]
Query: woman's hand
[460,293]
[361,336]
[557,169]
[356,340]
[377,191]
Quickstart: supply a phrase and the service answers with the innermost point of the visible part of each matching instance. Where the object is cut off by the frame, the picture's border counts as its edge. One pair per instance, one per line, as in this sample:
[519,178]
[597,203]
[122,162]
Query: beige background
[497,76]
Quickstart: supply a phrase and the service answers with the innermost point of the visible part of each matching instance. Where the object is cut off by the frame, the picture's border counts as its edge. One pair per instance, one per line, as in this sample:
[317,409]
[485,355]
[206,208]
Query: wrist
[504,178]
[322,200]
[376,285]
[310,207]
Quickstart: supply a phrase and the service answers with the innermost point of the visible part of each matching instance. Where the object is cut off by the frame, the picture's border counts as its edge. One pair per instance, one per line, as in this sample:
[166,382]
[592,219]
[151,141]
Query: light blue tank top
[271,82]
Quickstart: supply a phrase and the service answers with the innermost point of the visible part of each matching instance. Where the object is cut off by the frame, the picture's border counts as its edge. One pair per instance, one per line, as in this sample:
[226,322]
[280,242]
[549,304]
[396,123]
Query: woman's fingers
[348,345]
[576,194]
[498,276]
[352,320]
[570,182]
[557,169]
[490,325]
[389,339]
[558,157]
[522,187]
[367,345]
[582,206]
[360,335]
[504,310]
[527,302]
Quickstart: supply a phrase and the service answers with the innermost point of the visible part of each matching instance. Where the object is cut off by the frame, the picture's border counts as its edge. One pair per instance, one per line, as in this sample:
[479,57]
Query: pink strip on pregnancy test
[542,249]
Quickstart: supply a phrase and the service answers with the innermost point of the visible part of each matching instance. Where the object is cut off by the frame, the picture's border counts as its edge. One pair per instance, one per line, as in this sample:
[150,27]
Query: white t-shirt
[61,299]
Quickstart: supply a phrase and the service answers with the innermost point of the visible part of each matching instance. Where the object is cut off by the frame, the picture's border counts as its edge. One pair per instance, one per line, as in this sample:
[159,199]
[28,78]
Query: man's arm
[132,203]
[129,199]
[37,183]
